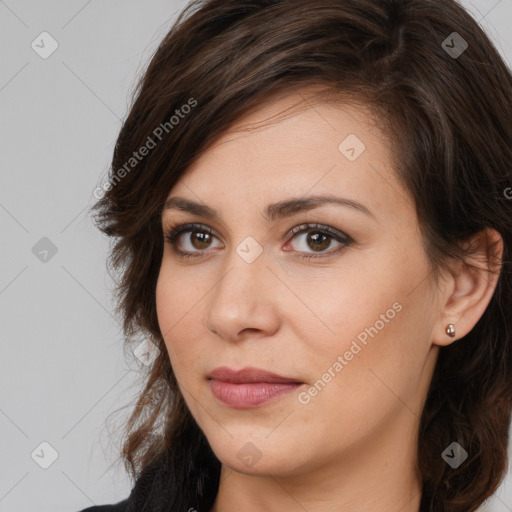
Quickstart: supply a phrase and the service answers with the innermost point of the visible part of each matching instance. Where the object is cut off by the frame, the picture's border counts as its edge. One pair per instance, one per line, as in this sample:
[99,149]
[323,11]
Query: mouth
[249,387]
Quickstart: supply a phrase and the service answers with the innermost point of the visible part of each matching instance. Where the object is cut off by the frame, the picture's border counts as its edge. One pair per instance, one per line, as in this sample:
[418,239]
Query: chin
[258,458]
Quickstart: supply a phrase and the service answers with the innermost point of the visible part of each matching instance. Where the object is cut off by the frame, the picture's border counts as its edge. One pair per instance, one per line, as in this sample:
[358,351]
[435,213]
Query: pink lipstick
[249,387]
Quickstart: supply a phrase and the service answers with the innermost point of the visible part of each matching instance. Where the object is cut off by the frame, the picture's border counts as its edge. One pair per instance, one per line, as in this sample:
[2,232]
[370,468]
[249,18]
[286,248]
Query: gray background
[64,379]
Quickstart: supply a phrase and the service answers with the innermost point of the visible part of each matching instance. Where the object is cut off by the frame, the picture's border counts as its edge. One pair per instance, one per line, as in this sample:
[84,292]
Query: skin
[353,445]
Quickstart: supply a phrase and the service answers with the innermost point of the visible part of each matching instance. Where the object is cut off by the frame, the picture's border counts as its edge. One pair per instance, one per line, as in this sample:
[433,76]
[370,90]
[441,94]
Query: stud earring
[450,330]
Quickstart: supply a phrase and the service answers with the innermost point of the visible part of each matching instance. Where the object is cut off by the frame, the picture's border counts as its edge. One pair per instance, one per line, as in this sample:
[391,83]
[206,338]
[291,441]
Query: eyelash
[172,234]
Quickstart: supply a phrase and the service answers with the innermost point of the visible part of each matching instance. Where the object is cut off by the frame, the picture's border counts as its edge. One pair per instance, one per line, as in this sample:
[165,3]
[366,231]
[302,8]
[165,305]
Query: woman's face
[352,325]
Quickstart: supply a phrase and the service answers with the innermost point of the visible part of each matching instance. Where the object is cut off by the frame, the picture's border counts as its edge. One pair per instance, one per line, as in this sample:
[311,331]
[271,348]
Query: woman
[311,208]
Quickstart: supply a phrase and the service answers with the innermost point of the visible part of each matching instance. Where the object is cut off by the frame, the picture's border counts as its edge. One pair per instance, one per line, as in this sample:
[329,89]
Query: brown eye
[190,240]
[318,239]
[199,240]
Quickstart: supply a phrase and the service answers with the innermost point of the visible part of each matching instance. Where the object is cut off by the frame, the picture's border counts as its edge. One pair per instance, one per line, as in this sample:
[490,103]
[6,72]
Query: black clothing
[122,506]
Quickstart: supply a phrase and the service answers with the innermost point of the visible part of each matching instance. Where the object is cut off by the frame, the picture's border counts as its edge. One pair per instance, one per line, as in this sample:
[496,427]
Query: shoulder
[122,506]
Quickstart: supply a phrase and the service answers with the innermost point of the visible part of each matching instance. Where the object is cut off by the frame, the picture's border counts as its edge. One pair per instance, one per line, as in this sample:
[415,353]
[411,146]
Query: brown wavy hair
[448,119]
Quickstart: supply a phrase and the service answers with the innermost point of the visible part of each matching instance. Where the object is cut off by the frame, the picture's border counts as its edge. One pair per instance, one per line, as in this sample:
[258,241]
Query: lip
[249,375]
[249,387]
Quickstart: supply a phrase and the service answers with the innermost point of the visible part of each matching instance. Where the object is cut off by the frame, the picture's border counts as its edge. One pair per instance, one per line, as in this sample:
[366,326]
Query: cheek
[369,372]
[343,303]
[375,314]
[173,312]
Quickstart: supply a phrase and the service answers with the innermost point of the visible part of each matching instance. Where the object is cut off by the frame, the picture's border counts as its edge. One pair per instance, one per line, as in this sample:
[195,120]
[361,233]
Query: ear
[470,285]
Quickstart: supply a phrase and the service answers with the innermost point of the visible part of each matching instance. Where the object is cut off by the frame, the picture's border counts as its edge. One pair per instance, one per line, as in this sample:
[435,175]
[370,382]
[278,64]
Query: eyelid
[310,226]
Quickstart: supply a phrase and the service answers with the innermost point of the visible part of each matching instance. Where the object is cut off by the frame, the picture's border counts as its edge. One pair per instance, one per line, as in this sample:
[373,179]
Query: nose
[245,300]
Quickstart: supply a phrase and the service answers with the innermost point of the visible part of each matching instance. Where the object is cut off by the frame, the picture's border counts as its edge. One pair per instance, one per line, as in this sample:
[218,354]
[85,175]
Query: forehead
[291,147]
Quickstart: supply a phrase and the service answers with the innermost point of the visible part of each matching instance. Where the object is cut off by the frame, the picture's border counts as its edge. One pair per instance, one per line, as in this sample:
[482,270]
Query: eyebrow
[275,211]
